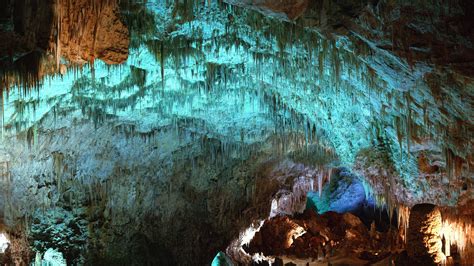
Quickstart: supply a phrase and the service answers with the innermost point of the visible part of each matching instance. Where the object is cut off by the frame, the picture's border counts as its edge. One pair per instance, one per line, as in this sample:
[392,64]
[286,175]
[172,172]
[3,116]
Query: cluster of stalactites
[388,201]
[29,74]
[31,70]
[20,79]
[335,69]
[403,213]
[323,47]
[458,232]
[286,202]
[77,23]
[294,201]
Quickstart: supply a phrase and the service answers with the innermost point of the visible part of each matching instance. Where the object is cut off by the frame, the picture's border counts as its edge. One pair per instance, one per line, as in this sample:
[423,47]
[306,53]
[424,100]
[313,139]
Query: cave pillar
[424,243]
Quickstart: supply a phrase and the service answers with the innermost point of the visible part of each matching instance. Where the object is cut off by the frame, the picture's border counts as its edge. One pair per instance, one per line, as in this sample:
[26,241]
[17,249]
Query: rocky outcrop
[91,30]
[327,238]
[26,26]
[18,251]
[59,229]
[39,35]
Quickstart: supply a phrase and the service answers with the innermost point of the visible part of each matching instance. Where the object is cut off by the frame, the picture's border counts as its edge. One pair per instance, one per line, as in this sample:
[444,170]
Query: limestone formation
[424,244]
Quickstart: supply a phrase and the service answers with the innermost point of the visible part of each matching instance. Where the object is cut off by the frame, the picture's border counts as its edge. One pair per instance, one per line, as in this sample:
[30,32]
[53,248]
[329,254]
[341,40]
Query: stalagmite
[424,243]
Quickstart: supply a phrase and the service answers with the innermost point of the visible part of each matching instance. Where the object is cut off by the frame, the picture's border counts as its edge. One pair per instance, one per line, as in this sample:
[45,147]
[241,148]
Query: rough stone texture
[329,238]
[90,30]
[344,193]
[25,26]
[424,244]
[428,142]
[18,252]
[126,199]
[424,50]
[37,34]
[283,9]
[283,232]
[60,229]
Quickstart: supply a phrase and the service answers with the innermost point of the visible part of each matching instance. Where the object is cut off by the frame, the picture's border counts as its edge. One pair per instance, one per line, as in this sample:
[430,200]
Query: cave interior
[236,132]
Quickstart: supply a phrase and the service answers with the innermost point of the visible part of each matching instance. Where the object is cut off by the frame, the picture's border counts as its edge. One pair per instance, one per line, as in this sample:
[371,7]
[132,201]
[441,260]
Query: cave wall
[115,197]
[45,38]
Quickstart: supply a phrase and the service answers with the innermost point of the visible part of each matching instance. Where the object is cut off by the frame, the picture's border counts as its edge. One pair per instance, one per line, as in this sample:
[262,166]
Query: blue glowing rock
[345,193]
[221,259]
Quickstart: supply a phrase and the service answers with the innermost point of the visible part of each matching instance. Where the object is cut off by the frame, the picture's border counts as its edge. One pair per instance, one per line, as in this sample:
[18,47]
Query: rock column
[424,235]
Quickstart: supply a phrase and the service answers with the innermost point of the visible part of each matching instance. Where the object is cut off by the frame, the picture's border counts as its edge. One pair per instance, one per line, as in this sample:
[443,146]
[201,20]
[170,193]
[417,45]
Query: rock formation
[328,238]
[163,132]
[424,244]
[45,37]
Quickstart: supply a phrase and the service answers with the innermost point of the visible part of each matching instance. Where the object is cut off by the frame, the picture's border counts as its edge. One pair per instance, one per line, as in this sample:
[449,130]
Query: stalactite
[58,166]
[58,18]
[403,213]
[30,137]
[162,65]
[389,203]
[409,123]
[398,127]
[380,201]
[330,175]
[458,231]
[294,201]
[449,162]
[336,63]
[320,184]
[321,58]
